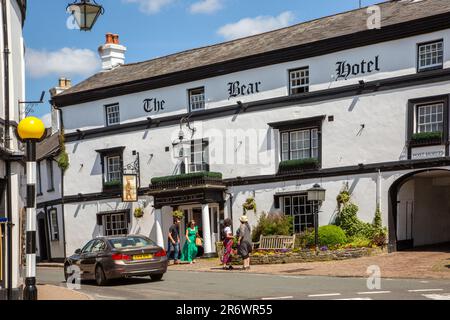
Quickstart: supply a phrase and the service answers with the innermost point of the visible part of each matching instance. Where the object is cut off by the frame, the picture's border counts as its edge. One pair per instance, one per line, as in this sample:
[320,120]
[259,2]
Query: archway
[419,209]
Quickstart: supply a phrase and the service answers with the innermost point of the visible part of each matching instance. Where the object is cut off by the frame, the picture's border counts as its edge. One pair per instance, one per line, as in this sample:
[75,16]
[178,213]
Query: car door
[86,273]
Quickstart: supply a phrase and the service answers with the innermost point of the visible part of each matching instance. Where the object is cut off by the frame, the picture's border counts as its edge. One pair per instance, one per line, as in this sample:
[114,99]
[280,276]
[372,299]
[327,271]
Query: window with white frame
[54,228]
[50,178]
[301,210]
[197,99]
[113,169]
[300,144]
[430,55]
[115,224]
[430,118]
[199,158]
[299,81]
[112,114]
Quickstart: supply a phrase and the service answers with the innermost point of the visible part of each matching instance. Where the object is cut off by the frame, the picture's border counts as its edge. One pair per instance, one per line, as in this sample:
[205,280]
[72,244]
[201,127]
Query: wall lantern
[86,13]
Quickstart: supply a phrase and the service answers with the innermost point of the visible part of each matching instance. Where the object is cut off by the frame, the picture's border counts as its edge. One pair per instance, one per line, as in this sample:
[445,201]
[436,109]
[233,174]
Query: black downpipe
[7,145]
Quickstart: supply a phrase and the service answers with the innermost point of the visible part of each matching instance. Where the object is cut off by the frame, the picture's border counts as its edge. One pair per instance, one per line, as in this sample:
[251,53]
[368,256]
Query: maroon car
[114,257]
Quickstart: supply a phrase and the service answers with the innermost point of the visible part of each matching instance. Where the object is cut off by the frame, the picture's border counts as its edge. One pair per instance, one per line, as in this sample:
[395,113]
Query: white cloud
[206,6]
[252,26]
[47,120]
[64,62]
[150,6]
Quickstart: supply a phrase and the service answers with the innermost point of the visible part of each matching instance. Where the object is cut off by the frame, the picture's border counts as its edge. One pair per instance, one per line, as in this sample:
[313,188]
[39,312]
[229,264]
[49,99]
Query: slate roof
[392,12]
[48,147]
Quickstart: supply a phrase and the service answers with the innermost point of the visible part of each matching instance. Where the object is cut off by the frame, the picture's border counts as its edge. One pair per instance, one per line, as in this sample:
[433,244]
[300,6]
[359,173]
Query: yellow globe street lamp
[30,130]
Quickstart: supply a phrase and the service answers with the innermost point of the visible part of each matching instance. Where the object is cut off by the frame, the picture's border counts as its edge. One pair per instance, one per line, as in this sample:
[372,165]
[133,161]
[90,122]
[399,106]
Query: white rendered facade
[363,122]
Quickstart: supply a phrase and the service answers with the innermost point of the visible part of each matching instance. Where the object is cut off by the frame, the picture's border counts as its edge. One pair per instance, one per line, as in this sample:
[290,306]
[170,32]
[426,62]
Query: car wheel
[156,277]
[100,277]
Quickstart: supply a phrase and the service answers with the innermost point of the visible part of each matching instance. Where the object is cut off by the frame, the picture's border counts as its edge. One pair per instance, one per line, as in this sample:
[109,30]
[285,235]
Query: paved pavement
[195,285]
[424,263]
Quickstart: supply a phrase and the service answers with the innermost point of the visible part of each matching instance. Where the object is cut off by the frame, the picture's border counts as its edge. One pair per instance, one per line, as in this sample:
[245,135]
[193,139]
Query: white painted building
[332,101]
[12,90]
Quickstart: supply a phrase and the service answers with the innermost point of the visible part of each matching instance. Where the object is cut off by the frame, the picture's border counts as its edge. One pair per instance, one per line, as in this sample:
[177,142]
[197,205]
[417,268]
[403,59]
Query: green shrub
[63,157]
[330,236]
[271,225]
[298,164]
[426,136]
[114,183]
[188,176]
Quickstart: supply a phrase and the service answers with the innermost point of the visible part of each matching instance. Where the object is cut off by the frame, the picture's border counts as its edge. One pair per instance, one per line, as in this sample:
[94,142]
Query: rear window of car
[131,242]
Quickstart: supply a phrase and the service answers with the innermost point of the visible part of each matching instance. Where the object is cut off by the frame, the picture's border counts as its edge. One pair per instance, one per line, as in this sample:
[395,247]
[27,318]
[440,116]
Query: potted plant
[178,214]
[426,138]
[139,212]
[293,166]
[250,204]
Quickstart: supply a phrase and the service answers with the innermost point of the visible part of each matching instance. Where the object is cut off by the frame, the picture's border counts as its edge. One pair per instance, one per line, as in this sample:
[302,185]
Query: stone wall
[258,258]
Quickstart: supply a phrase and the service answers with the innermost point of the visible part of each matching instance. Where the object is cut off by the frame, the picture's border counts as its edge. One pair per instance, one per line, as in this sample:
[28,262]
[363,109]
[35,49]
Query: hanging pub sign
[345,69]
[129,189]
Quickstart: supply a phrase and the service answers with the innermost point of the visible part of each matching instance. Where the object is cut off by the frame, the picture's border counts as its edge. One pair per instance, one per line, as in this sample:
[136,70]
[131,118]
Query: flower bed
[299,256]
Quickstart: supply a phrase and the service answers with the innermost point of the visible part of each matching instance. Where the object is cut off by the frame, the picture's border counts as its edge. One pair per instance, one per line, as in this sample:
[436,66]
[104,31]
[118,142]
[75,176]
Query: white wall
[344,143]
[396,58]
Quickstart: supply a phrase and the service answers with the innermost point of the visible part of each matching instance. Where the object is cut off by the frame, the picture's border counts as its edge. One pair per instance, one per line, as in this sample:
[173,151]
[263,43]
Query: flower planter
[296,166]
[425,142]
[258,258]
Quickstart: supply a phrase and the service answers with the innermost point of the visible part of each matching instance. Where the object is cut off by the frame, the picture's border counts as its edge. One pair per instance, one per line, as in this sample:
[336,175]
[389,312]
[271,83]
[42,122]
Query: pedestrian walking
[174,240]
[190,249]
[245,242]
[227,245]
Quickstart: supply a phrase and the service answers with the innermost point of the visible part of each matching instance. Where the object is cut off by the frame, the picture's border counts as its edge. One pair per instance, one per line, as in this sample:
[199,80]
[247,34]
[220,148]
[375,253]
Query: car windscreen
[131,242]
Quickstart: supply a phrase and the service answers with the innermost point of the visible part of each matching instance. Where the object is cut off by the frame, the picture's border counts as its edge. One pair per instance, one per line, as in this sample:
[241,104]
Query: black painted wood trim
[412,104]
[327,46]
[272,103]
[317,174]
[298,123]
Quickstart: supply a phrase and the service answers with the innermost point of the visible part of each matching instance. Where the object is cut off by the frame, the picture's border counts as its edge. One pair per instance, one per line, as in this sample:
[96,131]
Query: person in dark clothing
[174,240]
[245,245]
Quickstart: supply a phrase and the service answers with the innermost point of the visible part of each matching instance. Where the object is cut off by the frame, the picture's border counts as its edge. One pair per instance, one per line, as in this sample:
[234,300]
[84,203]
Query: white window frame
[112,112]
[301,210]
[114,224]
[50,175]
[299,80]
[53,224]
[199,149]
[300,146]
[430,55]
[110,175]
[425,120]
[196,100]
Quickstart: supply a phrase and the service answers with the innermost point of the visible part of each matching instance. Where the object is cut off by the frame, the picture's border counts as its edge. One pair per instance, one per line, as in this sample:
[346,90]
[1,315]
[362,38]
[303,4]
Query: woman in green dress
[190,249]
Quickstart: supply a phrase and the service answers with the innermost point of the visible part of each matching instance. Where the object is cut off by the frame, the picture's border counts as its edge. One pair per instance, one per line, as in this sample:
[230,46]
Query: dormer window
[197,99]
[112,114]
[430,55]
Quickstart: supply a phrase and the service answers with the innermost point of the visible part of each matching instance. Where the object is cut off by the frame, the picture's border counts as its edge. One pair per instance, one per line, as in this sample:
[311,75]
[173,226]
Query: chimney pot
[115,38]
[112,53]
[109,38]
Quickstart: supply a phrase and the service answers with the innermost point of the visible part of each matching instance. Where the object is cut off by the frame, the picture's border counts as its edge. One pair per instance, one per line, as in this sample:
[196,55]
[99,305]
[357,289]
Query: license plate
[143,257]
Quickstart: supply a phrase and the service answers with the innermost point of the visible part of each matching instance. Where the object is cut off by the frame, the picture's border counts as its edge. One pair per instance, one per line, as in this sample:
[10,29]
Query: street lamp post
[31,130]
[86,13]
[316,193]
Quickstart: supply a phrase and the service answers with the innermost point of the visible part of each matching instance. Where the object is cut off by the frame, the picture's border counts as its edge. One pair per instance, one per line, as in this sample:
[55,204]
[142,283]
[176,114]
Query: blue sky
[149,28]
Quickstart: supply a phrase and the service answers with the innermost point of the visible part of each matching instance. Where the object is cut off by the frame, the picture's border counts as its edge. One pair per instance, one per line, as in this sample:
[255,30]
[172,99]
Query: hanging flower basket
[178,214]
[249,205]
[138,212]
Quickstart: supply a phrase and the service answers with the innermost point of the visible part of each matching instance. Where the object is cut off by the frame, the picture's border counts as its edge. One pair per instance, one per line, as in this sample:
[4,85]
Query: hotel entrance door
[195,213]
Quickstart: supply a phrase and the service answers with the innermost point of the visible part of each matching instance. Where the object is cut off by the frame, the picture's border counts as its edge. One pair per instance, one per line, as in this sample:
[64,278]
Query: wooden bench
[274,242]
